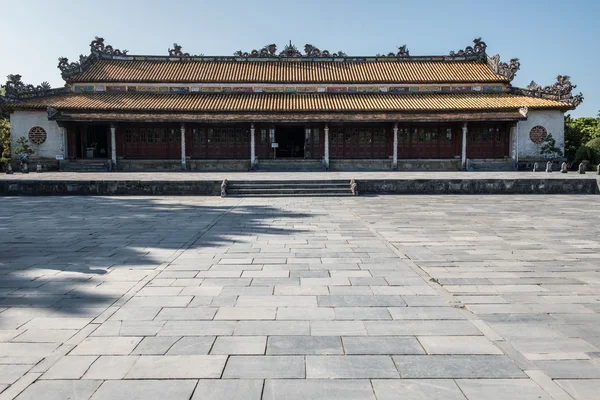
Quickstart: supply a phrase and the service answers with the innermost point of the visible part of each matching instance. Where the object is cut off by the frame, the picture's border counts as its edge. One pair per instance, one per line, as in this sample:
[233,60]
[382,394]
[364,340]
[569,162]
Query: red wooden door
[336,142]
[446,141]
[198,143]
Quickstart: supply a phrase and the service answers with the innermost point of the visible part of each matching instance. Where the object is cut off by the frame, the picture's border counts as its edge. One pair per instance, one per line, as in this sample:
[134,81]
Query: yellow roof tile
[288,102]
[288,72]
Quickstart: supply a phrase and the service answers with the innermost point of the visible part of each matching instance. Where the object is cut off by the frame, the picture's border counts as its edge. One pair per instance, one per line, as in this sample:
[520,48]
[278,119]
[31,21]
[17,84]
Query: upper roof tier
[106,64]
[287,72]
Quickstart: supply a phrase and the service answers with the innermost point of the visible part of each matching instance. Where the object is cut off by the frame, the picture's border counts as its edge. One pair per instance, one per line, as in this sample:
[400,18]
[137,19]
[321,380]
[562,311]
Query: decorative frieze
[289,89]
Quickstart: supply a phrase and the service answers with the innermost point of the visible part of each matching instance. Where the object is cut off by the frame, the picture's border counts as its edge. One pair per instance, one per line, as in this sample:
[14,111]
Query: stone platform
[209,183]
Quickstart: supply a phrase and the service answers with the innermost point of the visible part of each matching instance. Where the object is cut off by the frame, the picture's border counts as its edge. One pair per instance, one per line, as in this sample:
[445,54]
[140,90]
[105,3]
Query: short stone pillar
[38,168]
[353,187]
[581,169]
[563,168]
[549,166]
[598,170]
[536,167]
[9,170]
[224,185]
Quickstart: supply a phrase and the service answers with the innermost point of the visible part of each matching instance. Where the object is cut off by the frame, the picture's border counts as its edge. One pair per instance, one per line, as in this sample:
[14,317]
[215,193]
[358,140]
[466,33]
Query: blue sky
[549,37]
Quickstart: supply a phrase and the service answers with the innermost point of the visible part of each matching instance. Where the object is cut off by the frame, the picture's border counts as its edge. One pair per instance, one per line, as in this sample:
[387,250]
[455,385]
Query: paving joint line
[446,295]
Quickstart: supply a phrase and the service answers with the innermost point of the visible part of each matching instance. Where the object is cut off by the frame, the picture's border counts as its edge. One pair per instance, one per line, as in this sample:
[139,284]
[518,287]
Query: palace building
[311,107]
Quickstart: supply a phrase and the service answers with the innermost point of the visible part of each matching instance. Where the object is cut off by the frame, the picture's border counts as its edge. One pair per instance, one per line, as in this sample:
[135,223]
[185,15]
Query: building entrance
[290,140]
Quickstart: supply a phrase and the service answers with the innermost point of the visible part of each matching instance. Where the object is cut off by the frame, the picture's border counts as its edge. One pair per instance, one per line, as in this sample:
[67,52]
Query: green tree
[4,139]
[4,114]
[4,132]
[579,131]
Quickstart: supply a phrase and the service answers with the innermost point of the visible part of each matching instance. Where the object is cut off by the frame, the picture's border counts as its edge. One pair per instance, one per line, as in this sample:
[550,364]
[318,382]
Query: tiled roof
[288,72]
[288,102]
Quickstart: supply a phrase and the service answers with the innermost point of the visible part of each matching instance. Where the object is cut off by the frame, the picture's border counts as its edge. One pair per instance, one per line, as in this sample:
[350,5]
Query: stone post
[113,146]
[183,161]
[395,150]
[252,147]
[463,157]
[326,152]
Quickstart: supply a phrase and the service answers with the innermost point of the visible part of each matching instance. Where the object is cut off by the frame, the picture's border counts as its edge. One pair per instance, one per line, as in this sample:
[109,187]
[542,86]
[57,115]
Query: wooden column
[463,157]
[326,152]
[183,163]
[252,147]
[395,150]
[113,146]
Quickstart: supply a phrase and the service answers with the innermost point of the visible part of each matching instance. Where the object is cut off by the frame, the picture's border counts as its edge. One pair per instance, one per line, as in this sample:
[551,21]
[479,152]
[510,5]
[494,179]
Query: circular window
[538,134]
[37,135]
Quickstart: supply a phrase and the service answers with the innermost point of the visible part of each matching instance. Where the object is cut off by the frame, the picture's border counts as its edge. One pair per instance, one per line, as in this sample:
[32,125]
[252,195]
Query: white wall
[552,120]
[20,124]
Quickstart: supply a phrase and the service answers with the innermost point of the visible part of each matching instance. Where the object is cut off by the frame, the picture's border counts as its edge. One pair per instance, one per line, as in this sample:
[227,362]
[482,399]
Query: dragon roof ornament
[477,50]
[402,52]
[97,50]
[561,90]
[507,70]
[97,47]
[176,51]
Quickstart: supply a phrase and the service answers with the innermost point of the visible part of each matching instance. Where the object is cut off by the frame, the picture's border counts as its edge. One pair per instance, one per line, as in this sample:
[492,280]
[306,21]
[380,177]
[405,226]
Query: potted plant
[549,150]
[24,152]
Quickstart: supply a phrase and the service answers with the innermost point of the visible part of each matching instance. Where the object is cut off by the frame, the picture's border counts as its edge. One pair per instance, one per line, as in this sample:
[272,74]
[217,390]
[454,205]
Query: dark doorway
[290,139]
[97,141]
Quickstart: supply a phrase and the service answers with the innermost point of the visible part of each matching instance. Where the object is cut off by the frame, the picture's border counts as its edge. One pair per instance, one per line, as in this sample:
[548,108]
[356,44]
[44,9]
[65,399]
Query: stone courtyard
[375,297]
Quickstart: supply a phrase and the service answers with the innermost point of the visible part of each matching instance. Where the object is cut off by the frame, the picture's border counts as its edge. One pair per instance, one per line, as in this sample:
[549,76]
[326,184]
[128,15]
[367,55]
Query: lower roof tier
[286,102]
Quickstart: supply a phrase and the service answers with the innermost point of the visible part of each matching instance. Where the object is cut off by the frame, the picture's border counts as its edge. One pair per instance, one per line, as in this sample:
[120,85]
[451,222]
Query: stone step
[291,182]
[289,188]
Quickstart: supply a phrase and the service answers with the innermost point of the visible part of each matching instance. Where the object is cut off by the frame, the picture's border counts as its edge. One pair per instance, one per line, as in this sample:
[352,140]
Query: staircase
[288,188]
[84,166]
[289,165]
[491,165]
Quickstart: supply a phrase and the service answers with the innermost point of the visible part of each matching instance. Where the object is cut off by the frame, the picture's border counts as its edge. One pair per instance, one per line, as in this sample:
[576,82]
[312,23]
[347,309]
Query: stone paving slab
[420,297]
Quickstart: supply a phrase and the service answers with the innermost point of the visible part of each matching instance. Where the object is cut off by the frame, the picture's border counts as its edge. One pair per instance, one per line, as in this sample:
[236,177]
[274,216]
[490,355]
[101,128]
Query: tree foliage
[4,139]
[579,131]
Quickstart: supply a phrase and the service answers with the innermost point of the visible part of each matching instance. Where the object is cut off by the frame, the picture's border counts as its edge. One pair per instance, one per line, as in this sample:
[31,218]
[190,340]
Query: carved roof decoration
[561,90]
[97,51]
[269,50]
[314,66]
[477,50]
[501,68]
[402,52]
[176,51]
[97,47]
[15,90]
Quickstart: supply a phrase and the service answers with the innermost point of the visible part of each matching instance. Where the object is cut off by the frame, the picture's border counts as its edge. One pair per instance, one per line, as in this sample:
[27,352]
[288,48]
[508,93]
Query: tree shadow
[78,255]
